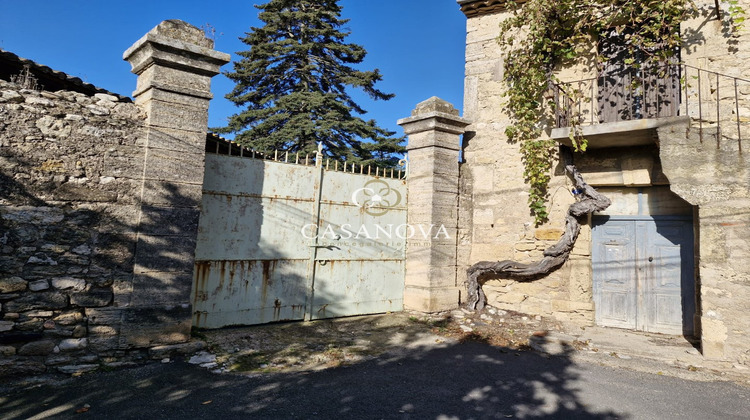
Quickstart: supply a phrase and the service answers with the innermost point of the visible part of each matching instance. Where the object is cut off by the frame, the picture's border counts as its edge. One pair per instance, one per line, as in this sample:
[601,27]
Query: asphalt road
[461,381]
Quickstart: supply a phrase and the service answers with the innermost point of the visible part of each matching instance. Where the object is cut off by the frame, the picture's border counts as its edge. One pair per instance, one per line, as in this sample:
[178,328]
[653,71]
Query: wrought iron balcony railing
[714,101]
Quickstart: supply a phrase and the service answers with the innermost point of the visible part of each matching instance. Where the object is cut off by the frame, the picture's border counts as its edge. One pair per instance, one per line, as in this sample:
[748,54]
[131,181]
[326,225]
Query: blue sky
[418,45]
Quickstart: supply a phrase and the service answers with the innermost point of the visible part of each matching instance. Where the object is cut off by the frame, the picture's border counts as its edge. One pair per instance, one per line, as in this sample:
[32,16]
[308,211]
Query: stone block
[104,316]
[580,282]
[525,246]
[92,298]
[483,216]
[7,351]
[177,140]
[169,221]
[79,331]
[534,288]
[431,160]
[511,297]
[713,339]
[170,115]
[13,367]
[12,284]
[114,251]
[482,177]
[491,252]
[172,194]
[146,327]
[123,162]
[73,192]
[37,348]
[432,299]
[164,253]
[174,86]
[548,234]
[42,300]
[105,344]
[160,288]
[433,182]
[39,285]
[6,325]
[535,306]
[39,314]
[72,344]
[424,275]
[69,283]
[162,165]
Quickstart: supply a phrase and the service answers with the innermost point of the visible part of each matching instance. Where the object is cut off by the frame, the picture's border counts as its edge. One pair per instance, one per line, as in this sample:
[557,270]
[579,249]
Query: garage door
[643,273]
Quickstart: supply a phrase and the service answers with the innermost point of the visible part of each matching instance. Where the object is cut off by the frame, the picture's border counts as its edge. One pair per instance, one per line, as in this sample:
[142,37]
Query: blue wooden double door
[643,273]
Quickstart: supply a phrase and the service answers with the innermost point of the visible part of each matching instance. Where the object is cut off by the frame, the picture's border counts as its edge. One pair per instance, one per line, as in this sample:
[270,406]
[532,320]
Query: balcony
[624,108]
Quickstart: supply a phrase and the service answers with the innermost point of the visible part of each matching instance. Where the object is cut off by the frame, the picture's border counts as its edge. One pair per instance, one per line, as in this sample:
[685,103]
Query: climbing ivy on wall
[541,35]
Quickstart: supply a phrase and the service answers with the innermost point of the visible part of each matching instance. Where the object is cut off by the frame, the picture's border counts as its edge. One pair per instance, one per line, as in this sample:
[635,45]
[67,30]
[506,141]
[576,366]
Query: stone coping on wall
[48,79]
[474,8]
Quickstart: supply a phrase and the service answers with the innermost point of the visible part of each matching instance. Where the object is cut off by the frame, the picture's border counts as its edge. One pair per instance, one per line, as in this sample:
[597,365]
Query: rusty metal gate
[284,241]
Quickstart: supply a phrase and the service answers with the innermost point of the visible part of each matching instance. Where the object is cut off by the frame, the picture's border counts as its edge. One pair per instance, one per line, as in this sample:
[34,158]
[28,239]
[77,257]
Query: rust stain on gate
[288,253]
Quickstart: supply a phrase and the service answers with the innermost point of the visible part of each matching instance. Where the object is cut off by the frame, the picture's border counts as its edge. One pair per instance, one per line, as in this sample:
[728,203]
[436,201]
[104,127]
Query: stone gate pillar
[174,63]
[434,131]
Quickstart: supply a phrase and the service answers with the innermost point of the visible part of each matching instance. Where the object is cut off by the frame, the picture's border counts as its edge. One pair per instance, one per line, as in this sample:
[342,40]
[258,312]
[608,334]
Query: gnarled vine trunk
[588,201]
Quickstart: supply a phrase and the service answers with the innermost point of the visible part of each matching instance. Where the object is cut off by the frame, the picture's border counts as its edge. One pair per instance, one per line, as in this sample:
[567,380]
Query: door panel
[643,274]
[668,287]
[614,276]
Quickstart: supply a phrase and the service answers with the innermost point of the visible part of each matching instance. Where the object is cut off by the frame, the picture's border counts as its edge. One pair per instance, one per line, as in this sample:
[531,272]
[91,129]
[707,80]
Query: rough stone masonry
[99,210]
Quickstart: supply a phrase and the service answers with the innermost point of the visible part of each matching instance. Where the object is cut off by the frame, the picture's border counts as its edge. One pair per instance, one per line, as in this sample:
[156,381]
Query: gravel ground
[305,346]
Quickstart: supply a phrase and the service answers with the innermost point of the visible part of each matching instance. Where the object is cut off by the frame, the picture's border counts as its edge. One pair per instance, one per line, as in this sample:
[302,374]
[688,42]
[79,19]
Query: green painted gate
[288,241]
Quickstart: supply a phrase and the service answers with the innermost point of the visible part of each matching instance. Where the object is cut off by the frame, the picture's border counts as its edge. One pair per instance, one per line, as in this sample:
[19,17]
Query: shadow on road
[465,380]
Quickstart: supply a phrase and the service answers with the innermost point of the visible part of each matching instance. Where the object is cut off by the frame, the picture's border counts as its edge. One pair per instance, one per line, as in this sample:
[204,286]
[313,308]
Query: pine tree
[292,84]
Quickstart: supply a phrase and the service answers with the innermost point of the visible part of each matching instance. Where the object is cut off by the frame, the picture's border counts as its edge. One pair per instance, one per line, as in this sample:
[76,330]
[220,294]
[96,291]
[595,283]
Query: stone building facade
[99,207]
[688,167]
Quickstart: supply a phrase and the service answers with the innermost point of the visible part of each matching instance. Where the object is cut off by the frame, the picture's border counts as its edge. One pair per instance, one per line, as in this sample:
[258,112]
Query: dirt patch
[302,346]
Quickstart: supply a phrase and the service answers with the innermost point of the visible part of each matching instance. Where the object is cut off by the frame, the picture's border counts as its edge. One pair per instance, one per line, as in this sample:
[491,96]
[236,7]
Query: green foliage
[737,15]
[543,34]
[293,81]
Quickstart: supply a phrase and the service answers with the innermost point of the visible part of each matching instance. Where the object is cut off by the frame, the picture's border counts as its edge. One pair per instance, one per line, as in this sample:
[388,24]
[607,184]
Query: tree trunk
[588,200]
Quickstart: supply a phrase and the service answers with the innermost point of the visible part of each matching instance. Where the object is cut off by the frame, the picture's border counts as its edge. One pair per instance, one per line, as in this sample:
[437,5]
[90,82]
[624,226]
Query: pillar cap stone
[434,104]
[176,44]
[436,115]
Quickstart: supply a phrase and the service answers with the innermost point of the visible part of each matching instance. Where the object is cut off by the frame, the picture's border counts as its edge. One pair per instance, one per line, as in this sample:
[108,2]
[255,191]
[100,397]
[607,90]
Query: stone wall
[717,181]
[496,223]
[70,167]
[99,209]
